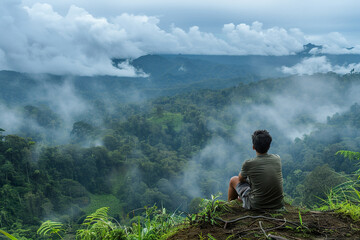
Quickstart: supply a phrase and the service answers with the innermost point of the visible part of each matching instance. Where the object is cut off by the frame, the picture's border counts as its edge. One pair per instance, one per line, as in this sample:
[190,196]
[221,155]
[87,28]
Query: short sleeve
[244,169]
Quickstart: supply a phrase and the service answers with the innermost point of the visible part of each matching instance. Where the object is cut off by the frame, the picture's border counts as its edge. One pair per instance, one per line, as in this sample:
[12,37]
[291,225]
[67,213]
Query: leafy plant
[99,225]
[210,210]
[300,218]
[7,234]
[49,228]
[349,154]
[211,237]
[157,223]
[345,198]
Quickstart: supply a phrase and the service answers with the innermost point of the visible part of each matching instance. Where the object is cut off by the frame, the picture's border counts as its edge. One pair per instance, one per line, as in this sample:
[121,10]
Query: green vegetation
[166,152]
[49,228]
[345,198]
[104,200]
[155,224]
[167,119]
[8,235]
[99,225]
[209,211]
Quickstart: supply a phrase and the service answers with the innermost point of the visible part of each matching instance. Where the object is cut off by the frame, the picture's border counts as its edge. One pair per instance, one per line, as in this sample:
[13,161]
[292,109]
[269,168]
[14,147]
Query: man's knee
[234,181]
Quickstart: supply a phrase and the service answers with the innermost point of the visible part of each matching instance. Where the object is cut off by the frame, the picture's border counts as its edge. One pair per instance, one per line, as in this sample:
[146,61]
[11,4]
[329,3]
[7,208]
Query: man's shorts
[243,190]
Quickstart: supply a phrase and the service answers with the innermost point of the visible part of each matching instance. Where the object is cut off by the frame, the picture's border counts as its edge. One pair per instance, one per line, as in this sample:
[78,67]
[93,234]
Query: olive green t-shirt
[265,177]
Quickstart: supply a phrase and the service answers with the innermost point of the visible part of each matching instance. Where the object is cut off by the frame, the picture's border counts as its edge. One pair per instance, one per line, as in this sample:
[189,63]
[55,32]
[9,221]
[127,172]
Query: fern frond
[49,227]
[7,234]
[100,214]
[349,154]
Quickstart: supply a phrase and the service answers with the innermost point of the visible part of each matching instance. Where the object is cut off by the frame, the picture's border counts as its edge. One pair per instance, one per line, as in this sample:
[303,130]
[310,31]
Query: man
[259,184]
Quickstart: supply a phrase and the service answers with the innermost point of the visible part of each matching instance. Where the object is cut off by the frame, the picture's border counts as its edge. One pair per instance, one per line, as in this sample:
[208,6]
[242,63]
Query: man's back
[265,177]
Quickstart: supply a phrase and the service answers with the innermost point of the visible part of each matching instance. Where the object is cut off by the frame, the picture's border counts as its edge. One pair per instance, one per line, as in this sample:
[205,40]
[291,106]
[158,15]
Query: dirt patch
[287,224]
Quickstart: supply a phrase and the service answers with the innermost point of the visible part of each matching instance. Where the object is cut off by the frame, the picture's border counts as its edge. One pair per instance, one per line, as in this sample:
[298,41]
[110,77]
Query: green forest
[128,159]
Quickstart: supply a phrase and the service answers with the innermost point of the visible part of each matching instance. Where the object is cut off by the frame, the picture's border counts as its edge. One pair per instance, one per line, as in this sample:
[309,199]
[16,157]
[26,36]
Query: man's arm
[241,178]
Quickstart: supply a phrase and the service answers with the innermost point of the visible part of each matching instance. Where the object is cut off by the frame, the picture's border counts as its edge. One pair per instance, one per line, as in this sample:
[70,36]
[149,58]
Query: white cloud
[319,65]
[76,43]
[40,39]
[256,40]
[10,119]
[196,42]
[63,100]
[333,43]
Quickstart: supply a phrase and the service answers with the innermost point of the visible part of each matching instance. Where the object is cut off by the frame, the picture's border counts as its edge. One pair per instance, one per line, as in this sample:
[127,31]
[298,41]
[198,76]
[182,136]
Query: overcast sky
[81,36]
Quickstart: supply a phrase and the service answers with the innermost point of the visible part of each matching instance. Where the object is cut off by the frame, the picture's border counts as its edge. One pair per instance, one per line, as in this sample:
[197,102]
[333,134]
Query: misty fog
[297,109]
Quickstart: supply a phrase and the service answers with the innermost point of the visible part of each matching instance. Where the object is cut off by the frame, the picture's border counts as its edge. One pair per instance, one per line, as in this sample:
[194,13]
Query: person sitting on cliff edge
[260,183]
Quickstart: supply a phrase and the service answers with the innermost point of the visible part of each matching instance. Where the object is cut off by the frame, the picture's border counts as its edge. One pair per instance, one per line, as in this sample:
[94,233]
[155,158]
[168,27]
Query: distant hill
[168,75]
[179,70]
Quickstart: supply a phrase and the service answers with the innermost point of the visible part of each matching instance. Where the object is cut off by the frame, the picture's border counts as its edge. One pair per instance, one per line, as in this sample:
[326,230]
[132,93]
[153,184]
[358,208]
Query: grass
[342,201]
[156,224]
[345,198]
[349,209]
[171,232]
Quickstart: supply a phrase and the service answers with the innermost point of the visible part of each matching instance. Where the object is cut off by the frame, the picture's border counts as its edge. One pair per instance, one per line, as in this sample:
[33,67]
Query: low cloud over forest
[40,39]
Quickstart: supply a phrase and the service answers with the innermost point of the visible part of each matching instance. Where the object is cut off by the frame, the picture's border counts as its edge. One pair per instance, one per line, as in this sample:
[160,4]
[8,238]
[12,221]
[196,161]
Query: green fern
[7,234]
[100,226]
[49,228]
[101,213]
[349,154]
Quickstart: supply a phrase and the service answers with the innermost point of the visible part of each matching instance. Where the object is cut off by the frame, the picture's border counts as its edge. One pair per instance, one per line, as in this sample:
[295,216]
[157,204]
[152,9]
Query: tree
[318,183]
[159,111]
[110,142]
[82,131]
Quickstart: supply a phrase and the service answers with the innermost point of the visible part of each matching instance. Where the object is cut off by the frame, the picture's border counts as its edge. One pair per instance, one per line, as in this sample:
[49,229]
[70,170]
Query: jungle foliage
[138,154]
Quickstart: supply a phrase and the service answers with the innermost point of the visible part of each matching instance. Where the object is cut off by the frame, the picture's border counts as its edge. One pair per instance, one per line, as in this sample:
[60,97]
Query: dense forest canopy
[69,149]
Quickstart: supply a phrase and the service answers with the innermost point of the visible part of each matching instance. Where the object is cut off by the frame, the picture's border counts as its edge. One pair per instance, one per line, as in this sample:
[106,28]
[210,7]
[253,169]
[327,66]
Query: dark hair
[261,140]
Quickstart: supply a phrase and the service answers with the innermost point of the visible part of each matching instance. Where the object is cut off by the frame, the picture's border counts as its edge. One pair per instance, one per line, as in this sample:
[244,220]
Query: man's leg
[232,194]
